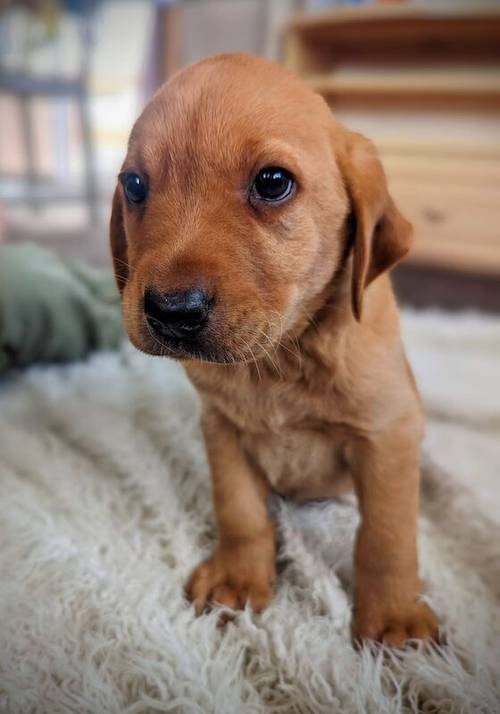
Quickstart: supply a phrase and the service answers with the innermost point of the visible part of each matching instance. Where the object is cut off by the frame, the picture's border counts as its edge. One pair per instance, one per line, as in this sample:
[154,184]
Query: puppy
[252,236]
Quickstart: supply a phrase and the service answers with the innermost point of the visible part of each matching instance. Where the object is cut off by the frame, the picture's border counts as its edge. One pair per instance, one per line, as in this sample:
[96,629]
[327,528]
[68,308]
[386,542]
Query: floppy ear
[382,236]
[118,241]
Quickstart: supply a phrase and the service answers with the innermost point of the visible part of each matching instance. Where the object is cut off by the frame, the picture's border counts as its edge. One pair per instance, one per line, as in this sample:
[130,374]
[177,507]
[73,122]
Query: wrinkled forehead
[213,118]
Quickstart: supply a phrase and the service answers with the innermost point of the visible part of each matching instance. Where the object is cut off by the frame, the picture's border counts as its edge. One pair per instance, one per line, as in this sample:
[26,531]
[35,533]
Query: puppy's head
[238,203]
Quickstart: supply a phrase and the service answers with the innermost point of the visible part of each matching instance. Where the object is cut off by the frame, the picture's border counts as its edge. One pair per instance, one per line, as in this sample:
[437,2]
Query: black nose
[179,315]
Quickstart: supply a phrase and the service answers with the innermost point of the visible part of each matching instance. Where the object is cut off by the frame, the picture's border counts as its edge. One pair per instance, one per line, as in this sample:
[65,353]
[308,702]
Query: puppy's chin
[204,348]
[180,350]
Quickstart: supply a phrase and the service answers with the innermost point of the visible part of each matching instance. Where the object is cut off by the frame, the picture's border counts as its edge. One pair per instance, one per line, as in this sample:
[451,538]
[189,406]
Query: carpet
[105,509]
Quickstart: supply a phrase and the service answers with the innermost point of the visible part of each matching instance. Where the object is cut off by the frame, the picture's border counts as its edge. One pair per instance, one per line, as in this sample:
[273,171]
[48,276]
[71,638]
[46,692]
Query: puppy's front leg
[242,567]
[387,586]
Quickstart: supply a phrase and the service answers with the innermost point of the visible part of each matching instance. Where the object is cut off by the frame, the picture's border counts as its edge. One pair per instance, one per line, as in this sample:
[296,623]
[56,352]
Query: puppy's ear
[118,241]
[382,236]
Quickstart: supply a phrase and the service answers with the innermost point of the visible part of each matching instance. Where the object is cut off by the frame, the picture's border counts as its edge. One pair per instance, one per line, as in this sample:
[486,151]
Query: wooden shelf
[372,15]
[405,28]
[444,148]
[424,84]
[476,85]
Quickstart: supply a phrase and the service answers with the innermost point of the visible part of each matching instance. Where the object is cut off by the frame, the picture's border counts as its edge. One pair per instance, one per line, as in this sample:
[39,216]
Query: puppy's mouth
[181,348]
[195,324]
[191,325]
[205,345]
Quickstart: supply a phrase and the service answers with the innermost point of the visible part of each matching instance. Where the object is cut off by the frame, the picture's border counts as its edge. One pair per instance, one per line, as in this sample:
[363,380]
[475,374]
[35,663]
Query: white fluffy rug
[105,509]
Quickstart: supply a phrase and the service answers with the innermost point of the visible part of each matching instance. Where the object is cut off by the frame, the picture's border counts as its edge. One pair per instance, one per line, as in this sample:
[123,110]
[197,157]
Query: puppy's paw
[232,577]
[415,622]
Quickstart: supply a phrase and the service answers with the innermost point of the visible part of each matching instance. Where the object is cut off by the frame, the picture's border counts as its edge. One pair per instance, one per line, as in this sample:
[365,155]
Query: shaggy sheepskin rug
[105,508]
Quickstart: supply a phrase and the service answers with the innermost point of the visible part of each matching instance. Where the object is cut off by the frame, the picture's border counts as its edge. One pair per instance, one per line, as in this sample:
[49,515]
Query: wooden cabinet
[425,86]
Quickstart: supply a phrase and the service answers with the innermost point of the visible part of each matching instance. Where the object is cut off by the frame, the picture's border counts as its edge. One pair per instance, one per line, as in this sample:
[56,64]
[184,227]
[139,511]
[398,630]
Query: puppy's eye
[134,187]
[273,184]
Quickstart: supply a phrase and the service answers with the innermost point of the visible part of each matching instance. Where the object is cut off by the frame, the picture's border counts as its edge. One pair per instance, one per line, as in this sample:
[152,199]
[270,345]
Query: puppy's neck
[326,318]
[329,332]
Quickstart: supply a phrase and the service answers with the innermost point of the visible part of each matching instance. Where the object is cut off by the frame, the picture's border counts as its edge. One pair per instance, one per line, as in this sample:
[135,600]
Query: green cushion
[53,310]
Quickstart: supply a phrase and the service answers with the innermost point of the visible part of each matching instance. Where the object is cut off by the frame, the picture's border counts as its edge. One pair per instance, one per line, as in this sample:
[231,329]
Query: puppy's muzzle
[179,315]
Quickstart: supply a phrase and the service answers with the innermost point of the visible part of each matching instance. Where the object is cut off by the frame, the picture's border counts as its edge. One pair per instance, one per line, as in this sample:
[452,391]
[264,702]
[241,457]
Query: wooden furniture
[425,86]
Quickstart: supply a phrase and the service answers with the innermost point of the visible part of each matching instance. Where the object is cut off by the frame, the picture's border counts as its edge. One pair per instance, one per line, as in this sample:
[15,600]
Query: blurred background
[422,79]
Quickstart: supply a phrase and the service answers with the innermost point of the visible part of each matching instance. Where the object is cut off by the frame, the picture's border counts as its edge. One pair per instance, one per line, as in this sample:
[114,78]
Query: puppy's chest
[292,432]
[275,407]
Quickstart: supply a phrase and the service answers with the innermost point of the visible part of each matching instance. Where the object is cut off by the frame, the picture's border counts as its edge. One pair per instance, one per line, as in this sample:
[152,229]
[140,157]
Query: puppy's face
[229,217]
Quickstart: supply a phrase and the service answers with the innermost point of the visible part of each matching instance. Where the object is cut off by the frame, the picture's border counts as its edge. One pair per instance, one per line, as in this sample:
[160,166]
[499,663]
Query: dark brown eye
[273,184]
[134,187]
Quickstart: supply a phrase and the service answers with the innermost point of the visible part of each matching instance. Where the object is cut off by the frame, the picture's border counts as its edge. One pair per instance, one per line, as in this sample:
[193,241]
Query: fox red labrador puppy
[252,236]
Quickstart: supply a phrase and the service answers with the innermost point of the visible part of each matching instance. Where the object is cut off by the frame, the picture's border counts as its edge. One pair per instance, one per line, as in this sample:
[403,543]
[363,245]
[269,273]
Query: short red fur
[305,387]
